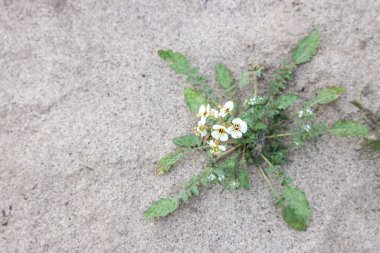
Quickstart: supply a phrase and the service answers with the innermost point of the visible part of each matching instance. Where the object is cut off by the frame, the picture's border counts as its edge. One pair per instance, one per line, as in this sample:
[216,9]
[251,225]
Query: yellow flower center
[236,127]
[221,130]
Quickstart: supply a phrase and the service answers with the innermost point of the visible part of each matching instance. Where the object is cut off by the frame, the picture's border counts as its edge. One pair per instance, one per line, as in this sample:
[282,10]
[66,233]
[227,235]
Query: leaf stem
[221,156]
[267,180]
[278,135]
[254,85]
[266,160]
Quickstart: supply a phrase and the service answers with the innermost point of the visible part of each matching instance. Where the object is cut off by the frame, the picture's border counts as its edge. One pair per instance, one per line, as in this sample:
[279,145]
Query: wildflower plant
[258,133]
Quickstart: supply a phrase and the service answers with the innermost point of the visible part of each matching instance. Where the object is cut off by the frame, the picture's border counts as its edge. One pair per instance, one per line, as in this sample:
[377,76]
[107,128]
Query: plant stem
[221,156]
[278,135]
[266,160]
[267,180]
[286,120]
[254,85]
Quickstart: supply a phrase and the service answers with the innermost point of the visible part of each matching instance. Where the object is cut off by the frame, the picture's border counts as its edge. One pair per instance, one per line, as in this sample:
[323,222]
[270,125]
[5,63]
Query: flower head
[216,148]
[201,130]
[309,111]
[219,133]
[226,108]
[307,128]
[238,128]
[300,114]
[204,111]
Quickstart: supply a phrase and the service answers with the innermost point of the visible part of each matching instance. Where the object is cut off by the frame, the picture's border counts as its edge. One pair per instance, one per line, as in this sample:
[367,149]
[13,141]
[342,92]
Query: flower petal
[243,126]
[236,134]
[221,147]
[224,137]
[215,135]
[216,127]
[229,105]
[202,109]
[230,129]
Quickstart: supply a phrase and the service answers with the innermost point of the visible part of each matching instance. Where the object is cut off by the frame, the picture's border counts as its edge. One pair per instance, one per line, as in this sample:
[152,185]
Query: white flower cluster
[220,132]
[307,111]
[254,100]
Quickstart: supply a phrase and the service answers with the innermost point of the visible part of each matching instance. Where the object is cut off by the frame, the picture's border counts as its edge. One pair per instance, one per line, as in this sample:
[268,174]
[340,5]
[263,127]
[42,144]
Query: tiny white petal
[221,147]
[224,137]
[236,134]
[243,126]
[215,135]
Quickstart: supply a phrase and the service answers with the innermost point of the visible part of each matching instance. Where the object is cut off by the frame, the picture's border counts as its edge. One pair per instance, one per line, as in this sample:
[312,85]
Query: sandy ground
[87,108]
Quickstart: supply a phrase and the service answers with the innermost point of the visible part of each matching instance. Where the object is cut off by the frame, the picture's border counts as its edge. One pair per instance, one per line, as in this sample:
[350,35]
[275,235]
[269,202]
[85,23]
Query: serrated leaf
[195,190]
[347,128]
[178,62]
[285,101]
[185,196]
[223,76]
[306,48]
[161,208]
[296,209]
[166,163]
[244,179]
[259,126]
[189,140]
[328,95]
[244,80]
[194,99]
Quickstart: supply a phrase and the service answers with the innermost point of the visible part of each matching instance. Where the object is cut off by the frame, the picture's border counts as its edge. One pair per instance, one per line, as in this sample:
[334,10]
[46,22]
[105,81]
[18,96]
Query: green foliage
[224,76]
[178,62]
[161,208]
[285,101]
[166,163]
[244,80]
[348,128]
[296,209]
[306,48]
[189,140]
[271,130]
[194,99]
[328,95]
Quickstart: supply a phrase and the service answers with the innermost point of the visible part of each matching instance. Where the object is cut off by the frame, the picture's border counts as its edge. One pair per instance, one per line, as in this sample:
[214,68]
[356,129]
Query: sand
[87,108]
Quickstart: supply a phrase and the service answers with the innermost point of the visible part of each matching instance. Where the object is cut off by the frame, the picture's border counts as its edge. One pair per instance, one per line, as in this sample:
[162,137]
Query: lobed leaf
[161,208]
[194,99]
[189,140]
[167,162]
[244,80]
[223,76]
[296,209]
[347,128]
[285,101]
[306,48]
[328,95]
[178,62]
[244,179]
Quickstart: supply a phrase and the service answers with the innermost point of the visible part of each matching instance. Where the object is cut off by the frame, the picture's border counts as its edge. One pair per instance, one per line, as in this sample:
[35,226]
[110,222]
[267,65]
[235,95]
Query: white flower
[220,133]
[221,178]
[216,148]
[238,128]
[201,129]
[204,111]
[227,108]
[214,113]
[211,177]
[233,184]
[307,128]
[300,114]
[297,144]
[309,111]
[254,100]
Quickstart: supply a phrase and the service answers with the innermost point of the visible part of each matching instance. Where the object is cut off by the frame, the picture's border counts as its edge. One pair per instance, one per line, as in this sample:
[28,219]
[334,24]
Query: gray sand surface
[87,108]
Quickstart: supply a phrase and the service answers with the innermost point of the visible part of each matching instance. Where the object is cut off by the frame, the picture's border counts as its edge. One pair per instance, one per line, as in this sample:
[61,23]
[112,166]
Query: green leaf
[166,163]
[347,128]
[296,209]
[224,77]
[195,190]
[285,101]
[189,140]
[161,208]
[185,196]
[194,99]
[328,95]
[244,80]
[244,179]
[178,62]
[306,48]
